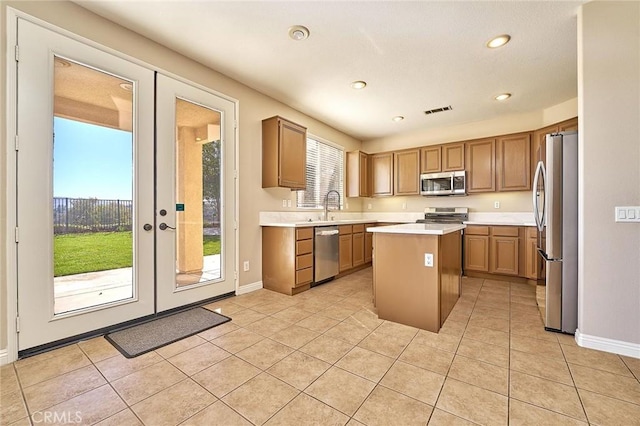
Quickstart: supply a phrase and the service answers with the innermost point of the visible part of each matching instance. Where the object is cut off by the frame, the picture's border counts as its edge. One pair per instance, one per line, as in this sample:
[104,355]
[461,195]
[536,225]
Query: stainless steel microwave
[448,183]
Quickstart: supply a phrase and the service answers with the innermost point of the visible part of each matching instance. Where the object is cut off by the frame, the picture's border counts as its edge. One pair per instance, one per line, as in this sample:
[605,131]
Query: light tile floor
[323,358]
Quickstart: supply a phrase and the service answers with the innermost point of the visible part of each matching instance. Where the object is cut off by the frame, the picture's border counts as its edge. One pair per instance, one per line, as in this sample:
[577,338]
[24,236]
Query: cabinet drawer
[532,232]
[304,233]
[304,276]
[304,261]
[504,231]
[358,228]
[304,247]
[476,230]
[345,229]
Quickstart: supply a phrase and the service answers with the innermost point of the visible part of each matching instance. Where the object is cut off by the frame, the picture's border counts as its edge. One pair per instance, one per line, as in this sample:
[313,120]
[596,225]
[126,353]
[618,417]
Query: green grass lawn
[101,251]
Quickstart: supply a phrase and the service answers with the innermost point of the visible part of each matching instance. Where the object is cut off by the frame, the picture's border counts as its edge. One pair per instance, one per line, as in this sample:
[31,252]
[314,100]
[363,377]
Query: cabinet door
[368,246]
[430,159]
[476,253]
[513,161]
[292,157]
[537,145]
[503,255]
[358,174]
[407,172]
[532,256]
[480,159]
[452,157]
[346,252]
[382,168]
[358,249]
[569,125]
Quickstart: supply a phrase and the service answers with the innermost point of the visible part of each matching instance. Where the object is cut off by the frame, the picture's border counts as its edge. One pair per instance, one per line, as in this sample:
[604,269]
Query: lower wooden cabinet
[534,263]
[287,259]
[346,247]
[368,244]
[476,246]
[357,241]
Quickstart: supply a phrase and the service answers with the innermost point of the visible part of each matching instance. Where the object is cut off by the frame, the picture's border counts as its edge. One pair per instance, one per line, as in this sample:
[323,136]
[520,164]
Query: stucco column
[189,193]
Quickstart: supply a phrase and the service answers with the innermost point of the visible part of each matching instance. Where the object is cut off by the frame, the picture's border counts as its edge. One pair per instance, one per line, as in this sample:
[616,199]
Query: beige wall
[254,107]
[609,167]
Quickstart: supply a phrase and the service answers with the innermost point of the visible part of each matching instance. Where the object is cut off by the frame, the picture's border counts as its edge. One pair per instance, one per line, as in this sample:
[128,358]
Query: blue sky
[91,161]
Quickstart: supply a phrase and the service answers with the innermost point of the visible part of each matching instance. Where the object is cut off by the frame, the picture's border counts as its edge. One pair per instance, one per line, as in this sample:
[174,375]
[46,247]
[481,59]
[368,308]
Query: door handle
[164,226]
[147,227]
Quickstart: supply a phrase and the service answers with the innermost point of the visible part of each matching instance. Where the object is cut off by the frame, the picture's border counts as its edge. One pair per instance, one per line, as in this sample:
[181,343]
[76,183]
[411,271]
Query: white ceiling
[414,55]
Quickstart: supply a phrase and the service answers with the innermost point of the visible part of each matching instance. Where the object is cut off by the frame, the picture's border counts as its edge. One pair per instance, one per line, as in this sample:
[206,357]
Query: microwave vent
[441,109]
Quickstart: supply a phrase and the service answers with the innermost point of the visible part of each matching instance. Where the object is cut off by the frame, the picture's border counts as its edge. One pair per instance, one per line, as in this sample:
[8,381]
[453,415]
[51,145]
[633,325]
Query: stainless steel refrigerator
[555,207]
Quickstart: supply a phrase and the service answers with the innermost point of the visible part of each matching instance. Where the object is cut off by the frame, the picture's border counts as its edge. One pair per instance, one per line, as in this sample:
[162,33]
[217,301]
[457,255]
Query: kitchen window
[325,171]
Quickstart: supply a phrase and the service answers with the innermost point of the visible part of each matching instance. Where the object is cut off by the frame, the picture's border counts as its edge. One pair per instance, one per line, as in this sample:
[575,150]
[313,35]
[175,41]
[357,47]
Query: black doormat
[143,338]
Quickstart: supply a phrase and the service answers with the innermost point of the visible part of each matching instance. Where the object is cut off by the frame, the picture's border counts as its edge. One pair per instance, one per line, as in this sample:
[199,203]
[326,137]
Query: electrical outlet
[369,206]
[496,204]
[404,206]
[428,260]
[284,203]
[288,203]
[245,267]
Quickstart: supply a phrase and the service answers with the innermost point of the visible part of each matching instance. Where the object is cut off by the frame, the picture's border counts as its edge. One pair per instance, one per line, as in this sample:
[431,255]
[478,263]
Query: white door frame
[9,262]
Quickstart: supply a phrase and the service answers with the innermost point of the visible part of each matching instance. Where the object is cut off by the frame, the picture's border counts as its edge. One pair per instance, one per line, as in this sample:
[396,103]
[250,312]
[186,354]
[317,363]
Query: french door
[125,190]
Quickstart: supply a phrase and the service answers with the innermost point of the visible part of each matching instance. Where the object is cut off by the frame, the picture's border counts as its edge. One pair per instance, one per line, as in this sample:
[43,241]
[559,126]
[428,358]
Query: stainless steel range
[445,215]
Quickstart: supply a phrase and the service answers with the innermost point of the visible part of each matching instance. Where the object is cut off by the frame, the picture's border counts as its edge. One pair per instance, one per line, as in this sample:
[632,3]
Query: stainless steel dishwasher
[326,253]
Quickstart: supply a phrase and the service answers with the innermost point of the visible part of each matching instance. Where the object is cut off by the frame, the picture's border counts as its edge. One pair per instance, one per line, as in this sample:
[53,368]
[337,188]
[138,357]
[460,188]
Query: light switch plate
[627,214]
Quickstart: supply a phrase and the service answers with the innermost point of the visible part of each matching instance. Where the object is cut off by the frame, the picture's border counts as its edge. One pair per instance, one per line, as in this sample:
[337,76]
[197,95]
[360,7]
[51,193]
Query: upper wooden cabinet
[442,158]
[513,162]
[431,159]
[568,125]
[358,174]
[382,171]
[284,154]
[539,136]
[407,172]
[452,157]
[481,165]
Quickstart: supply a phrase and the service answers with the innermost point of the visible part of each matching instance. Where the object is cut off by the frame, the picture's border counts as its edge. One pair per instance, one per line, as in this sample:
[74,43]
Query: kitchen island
[417,272]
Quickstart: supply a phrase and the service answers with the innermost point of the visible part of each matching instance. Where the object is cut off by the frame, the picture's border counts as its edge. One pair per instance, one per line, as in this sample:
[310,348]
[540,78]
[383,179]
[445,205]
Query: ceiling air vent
[433,111]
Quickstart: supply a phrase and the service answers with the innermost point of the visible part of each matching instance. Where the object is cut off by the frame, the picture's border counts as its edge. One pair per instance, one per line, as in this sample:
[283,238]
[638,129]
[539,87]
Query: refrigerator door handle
[539,172]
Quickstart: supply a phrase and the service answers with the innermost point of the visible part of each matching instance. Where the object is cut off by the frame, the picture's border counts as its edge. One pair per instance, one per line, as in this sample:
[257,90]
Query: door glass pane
[92,187]
[198,194]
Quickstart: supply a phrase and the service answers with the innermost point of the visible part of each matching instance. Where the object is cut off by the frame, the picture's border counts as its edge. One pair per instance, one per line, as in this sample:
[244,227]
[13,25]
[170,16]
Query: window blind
[325,169]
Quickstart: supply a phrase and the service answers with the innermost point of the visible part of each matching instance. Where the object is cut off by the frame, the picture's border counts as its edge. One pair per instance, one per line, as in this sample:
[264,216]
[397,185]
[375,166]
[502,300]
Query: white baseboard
[608,345]
[4,357]
[243,289]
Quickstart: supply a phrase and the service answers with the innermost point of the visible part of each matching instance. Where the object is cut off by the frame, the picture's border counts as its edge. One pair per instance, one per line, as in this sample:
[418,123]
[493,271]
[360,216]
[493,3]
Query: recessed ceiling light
[359,84]
[398,118]
[502,96]
[498,41]
[126,87]
[298,32]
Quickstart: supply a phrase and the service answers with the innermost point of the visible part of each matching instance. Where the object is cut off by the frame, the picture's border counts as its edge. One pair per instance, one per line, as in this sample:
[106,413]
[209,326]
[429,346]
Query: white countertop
[418,228]
[318,223]
[501,219]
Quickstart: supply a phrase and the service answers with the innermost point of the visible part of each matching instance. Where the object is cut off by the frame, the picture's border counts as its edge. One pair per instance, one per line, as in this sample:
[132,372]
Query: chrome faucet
[326,204]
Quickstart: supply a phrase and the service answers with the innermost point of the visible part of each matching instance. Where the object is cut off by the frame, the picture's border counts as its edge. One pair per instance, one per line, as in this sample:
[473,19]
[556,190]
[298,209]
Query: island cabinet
[287,259]
[504,250]
[284,154]
[481,165]
[476,245]
[406,168]
[359,180]
[406,290]
[513,162]
[345,247]
[382,174]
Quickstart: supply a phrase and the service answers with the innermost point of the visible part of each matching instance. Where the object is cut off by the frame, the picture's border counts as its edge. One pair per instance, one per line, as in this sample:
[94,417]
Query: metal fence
[73,215]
